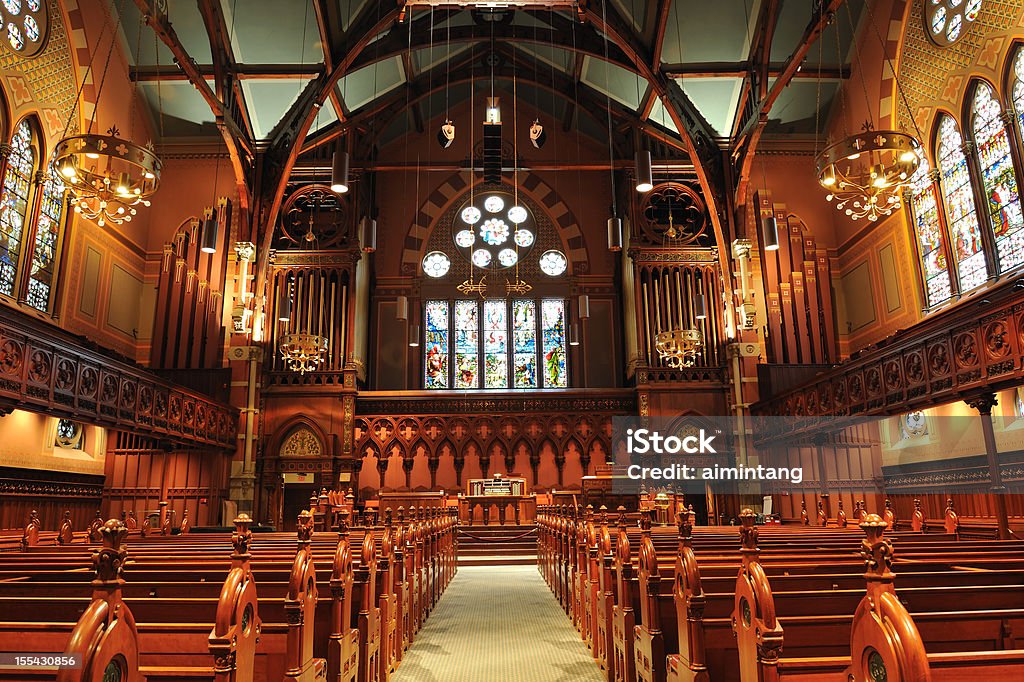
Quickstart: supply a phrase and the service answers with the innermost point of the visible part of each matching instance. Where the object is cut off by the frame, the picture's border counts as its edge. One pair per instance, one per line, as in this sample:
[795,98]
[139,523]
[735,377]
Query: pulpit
[496,493]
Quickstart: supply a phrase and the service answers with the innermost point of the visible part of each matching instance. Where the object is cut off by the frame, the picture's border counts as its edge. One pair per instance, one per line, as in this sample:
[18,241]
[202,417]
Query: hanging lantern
[615,234]
[644,172]
[368,235]
[770,233]
[211,229]
[339,172]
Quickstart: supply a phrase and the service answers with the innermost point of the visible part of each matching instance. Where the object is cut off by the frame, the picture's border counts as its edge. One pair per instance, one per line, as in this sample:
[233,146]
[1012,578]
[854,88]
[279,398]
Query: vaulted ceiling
[716,52]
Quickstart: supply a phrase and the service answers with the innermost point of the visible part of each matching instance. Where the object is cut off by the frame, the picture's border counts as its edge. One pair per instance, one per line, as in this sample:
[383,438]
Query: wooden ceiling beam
[172,72]
[660,27]
[241,149]
[742,70]
[745,143]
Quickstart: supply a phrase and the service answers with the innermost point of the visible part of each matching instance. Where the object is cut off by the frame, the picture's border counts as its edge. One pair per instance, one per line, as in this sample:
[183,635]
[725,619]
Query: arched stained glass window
[1018,88]
[14,204]
[533,357]
[44,252]
[930,237]
[998,178]
[961,214]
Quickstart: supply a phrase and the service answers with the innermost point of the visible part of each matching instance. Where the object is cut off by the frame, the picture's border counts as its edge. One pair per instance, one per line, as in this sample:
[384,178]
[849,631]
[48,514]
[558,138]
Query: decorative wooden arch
[288,428]
[455,187]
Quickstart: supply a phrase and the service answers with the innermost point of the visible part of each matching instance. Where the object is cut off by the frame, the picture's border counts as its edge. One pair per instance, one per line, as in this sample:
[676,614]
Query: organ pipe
[320,296]
[668,299]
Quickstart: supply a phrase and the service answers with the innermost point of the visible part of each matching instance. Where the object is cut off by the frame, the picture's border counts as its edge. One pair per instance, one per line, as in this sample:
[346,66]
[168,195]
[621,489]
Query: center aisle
[498,623]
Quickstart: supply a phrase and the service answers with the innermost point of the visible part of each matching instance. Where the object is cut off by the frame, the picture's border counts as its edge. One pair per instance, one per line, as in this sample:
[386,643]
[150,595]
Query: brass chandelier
[303,352]
[107,176]
[679,347]
[864,173]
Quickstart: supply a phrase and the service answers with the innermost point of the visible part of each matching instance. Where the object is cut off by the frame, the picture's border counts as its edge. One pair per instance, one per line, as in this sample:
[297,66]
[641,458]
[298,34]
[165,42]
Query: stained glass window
[553,321]
[44,252]
[435,347]
[961,214]
[14,204]
[524,360]
[930,237]
[467,357]
[495,344]
[998,178]
[499,339]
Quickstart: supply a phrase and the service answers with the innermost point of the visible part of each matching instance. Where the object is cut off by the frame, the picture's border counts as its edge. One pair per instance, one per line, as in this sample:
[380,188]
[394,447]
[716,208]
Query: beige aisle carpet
[498,624]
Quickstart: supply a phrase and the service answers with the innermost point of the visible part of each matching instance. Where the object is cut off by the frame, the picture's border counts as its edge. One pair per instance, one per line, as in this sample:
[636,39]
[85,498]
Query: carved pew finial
[30,538]
[841,516]
[758,633]
[304,529]
[890,514]
[951,520]
[685,528]
[803,513]
[105,635]
[67,532]
[186,525]
[918,520]
[884,640]
[242,536]
[94,528]
[621,520]
[131,523]
[689,600]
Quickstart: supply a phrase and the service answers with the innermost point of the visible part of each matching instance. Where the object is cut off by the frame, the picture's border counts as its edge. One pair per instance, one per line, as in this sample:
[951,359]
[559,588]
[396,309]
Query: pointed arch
[16,200]
[294,425]
[965,235]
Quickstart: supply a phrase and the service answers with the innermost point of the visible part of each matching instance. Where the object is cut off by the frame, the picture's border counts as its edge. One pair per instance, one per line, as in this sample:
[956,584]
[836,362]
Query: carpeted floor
[498,624]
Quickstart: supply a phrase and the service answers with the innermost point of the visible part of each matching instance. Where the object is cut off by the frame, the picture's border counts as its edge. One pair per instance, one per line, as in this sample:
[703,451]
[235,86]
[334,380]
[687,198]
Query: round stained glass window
[465,238]
[947,21]
[436,264]
[508,257]
[553,263]
[27,21]
[524,238]
[493,231]
[13,6]
[33,5]
[481,258]
[494,203]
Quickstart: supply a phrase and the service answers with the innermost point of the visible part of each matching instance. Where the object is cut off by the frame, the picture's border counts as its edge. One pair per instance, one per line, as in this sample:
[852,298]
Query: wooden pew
[758,633]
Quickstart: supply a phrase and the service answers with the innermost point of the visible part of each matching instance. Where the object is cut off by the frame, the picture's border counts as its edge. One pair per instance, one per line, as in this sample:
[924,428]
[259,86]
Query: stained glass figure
[51,210]
[467,344]
[930,237]
[524,357]
[494,231]
[495,344]
[998,178]
[961,214]
[554,348]
[435,348]
[14,204]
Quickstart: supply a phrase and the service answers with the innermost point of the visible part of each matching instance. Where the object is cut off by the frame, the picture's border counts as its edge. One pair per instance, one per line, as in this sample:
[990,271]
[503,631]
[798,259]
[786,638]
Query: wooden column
[984,403]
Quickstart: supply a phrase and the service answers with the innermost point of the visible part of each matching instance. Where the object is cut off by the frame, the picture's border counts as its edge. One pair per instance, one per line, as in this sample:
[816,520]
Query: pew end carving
[758,633]
[884,641]
[689,664]
[105,639]
[343,645]
[67,531]
[236,630]
[30,538]
[300,610]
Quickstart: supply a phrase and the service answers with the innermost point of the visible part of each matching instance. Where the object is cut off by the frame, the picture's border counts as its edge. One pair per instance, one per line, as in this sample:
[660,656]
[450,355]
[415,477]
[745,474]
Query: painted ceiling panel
[793,19]
[711,31]
[268,100]
[715,98]
[349,10]
[793,111]
[559,58]
[184,17]
[625,87]
[370,82]
[267,32]
[427,58]
[185,110]
[661,117]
